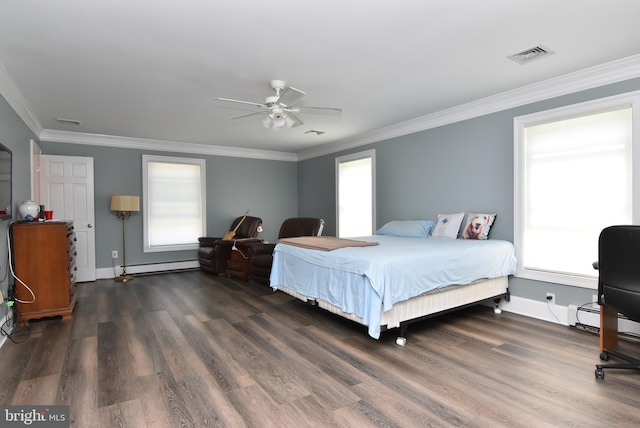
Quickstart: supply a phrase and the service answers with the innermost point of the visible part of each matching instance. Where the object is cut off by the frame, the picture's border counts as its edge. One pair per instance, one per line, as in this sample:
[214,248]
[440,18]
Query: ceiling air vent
[314,132]
[68,122]
[531,54]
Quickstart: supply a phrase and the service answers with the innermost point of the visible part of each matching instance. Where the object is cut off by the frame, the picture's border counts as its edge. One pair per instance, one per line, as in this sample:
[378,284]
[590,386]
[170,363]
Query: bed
[388,282]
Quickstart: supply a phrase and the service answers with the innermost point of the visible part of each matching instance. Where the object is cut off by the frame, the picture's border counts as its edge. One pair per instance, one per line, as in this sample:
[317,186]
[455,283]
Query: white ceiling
[143,71]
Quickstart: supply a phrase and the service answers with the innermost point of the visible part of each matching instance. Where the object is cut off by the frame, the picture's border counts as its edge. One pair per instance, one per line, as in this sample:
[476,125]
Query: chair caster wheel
[599,373]
[401,341]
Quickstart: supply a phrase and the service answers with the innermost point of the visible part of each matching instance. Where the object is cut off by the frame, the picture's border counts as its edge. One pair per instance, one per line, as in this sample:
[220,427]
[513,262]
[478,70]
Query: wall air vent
[531,54]
[68,122]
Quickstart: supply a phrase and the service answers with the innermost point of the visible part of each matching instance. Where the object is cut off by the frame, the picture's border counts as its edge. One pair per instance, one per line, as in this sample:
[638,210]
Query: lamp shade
[125,203]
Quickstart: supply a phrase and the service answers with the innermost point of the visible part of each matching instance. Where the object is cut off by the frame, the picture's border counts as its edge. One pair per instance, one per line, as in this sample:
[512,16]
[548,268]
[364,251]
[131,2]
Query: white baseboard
[565,315]
[534,309]
[108,273]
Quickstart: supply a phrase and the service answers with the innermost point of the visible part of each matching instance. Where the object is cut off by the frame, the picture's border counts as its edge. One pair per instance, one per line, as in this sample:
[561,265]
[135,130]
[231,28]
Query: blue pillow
[409,228]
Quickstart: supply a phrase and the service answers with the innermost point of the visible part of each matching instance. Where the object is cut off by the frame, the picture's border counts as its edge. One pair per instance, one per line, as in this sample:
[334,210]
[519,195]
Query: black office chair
[618,285]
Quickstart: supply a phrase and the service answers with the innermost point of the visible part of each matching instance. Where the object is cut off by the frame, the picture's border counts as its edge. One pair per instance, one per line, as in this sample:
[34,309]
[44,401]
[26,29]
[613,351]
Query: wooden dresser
[44,258]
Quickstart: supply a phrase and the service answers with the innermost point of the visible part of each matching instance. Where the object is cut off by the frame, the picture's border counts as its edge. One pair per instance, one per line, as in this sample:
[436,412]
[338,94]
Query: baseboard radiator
[148,268]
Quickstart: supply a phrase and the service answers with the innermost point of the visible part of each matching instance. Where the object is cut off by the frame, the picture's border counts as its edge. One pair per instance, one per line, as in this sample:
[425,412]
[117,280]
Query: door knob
[89,225]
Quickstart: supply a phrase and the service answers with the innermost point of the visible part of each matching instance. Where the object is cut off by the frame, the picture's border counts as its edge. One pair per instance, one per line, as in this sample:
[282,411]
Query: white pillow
[447,226]
[409,228]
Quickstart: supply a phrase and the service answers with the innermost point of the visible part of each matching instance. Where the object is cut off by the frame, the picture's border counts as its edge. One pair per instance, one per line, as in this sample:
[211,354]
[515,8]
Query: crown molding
[161,145]
[14,98]
[611,72]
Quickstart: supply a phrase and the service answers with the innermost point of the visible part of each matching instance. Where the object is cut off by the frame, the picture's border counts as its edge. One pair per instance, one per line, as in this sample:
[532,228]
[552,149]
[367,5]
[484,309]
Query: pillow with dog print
[477,226]
[447,226]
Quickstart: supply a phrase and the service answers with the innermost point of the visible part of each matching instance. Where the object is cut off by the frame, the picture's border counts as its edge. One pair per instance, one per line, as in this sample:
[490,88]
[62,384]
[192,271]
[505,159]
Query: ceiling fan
[279,110]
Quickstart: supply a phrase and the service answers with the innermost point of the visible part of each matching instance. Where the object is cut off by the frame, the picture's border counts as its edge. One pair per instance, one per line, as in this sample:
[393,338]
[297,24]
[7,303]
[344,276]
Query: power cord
[585,308]
[586,327]
[33,296]
[15,328]
[234,248]
[113,266]
[549,298]
[590,307]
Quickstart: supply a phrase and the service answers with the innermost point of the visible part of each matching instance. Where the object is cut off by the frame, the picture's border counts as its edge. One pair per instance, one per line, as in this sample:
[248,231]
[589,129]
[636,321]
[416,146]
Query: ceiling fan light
[279,120]
[289,121]
[266,121]
[278,115]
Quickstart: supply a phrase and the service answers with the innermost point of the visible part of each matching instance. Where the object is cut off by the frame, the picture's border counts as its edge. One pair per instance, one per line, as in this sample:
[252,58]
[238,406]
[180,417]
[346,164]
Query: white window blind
[174,203]
[574,177]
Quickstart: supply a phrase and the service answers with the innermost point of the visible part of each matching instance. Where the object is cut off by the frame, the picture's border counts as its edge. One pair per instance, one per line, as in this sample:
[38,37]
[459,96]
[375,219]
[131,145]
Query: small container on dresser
[44,259]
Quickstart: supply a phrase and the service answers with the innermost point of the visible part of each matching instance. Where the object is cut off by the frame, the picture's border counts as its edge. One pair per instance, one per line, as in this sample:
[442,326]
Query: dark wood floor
[190,349]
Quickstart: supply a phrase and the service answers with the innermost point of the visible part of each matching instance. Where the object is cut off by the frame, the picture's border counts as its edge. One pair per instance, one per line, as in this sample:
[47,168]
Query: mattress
[431,303]
[367,282]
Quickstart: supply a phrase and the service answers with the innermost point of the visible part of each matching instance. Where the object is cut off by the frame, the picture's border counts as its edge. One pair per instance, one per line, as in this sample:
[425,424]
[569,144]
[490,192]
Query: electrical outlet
[551,298]
[114,254]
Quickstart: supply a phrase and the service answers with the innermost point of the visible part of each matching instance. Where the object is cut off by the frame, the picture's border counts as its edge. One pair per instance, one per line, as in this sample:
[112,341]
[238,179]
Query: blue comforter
[368,280]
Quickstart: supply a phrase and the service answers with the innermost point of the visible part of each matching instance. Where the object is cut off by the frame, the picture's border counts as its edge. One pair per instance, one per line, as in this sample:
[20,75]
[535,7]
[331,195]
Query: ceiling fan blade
[321,110]
[242,116]
[261,105]
[290,95]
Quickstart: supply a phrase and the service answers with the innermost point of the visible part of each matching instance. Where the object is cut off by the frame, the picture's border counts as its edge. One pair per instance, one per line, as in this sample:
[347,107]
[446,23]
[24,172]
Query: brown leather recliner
[261,254]
[214,253]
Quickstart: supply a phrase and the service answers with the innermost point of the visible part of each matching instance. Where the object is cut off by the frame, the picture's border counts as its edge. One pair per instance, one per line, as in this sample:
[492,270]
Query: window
[355,194]
[174,202]
[573,177]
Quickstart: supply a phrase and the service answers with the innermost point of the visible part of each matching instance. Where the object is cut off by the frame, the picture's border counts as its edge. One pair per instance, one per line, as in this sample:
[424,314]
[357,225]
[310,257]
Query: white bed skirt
[423,305]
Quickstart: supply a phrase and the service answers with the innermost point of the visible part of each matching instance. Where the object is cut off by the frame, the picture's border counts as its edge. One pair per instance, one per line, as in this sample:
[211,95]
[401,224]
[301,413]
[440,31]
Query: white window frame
[520,123]
[371,154]
[146,159]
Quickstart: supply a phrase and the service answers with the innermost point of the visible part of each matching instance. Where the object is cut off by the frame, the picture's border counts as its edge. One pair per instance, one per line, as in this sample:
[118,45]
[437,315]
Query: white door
[66,187]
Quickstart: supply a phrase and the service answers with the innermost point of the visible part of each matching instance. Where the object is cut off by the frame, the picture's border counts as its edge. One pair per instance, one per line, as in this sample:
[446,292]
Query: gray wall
[317,197]
[14,135]
[268,188]
[465,166]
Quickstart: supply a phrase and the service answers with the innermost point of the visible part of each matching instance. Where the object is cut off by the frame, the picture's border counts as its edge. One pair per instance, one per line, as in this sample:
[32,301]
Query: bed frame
[426,305]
